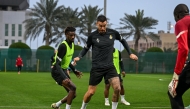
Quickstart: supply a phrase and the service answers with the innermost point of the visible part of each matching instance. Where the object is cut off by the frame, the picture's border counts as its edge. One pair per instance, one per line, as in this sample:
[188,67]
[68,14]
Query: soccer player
[180,82]
[102,41]
[118,63]
[59,71]
[19,63]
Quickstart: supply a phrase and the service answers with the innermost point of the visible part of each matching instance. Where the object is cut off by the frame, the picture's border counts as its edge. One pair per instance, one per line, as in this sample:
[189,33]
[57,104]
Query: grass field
[39,90]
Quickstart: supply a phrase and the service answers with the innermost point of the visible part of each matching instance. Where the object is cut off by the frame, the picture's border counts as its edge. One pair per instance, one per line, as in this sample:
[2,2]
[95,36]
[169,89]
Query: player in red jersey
[181,77]
[19,63]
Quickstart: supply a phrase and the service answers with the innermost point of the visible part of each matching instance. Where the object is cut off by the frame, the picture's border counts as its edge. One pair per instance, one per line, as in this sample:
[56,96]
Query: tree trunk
[48,34]
[136,49]
[47,40]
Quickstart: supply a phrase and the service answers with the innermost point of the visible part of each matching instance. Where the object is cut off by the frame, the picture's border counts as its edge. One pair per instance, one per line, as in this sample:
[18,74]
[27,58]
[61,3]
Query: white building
[12,15]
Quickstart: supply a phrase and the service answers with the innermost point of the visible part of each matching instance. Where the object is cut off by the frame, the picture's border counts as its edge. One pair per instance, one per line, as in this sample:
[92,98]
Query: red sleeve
[181,32]
[21,61]
[16,61]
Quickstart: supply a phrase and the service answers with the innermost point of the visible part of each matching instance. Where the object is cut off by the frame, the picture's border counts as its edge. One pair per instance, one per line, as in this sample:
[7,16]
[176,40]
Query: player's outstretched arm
[77,73]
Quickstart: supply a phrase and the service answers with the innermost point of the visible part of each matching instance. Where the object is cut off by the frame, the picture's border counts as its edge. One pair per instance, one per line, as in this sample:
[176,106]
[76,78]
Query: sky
[162,10]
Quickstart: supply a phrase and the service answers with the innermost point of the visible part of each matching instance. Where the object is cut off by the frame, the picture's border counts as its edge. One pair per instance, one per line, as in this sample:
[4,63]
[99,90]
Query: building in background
[167,41]
[12,15]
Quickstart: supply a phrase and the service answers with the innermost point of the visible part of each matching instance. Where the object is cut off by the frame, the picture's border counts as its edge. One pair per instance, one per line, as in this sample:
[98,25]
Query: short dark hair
[69,29]
[181,9]
[101,18]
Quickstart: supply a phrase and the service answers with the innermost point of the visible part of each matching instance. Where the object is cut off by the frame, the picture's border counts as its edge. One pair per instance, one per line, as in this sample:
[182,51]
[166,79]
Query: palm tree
[69,17]
[137,24]
[88,19]
[43,18]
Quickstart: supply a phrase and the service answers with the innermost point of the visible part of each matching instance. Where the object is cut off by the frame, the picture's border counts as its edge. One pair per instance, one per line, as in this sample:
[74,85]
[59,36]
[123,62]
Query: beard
[102,32]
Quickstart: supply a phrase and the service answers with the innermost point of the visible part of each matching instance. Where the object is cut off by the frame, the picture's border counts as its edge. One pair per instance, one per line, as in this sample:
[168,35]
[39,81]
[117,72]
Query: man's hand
[123,73]
[52,66]
[16,65]
[173,84]
[78,74]
[22,65]
[134,57]
[75,60]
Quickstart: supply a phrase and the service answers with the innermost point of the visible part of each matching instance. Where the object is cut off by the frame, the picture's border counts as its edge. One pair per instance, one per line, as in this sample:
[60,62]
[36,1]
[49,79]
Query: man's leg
[115,83]
[71,89]
[122,94]
[88,95]
[19,69]
[177,101]
[106,93]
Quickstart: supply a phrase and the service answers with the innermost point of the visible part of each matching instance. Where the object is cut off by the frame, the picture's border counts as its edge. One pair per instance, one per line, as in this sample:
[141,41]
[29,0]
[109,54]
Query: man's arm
[125,45]
[86,47]
[58,58]
[123,41]
[182,40]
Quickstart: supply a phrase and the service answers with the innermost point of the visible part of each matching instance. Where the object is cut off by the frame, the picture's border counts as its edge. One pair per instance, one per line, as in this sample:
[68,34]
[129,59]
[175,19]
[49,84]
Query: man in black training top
[59,71]
[102,41]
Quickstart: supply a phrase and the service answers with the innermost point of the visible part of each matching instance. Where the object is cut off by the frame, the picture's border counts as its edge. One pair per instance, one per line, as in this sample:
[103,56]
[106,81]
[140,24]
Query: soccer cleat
[107,103]
[188,107]
[53,105]
[125,102]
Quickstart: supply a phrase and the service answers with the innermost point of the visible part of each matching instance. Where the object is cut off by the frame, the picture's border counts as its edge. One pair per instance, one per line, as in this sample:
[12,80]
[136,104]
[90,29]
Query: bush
[44,52]
[21,49]
[154,49]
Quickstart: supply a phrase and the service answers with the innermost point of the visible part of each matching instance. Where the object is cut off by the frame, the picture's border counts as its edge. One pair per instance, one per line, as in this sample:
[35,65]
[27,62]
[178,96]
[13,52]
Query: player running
[59,70]
[102,41]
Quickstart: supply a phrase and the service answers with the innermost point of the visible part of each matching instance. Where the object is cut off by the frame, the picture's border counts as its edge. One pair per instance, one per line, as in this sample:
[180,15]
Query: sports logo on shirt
[111,37]
[97,40]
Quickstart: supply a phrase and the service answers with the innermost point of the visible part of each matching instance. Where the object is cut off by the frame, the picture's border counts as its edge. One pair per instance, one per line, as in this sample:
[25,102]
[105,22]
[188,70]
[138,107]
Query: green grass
[39,90]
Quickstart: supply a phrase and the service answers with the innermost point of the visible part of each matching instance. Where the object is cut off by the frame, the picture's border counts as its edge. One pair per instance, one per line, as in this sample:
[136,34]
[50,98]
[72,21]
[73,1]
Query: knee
[117,89]
[91,92]
[73,88]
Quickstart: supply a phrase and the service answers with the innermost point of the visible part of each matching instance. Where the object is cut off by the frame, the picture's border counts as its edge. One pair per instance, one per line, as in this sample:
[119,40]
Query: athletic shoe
[125,102]
[107,103]
[53,105]
[188,107]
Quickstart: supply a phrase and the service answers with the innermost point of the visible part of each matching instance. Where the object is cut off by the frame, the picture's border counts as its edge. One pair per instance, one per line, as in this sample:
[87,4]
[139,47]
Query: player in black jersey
[102,41]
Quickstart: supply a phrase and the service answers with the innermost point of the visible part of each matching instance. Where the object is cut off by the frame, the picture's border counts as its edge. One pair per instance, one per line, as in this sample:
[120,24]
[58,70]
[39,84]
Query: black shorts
[57,76]
[96,75]
[120,79]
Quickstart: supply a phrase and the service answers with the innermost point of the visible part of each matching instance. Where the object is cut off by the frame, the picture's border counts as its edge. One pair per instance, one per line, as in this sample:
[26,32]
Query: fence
[39,61]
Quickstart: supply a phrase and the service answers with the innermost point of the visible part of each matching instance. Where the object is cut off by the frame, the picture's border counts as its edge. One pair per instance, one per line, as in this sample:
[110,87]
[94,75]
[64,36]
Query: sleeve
[121,62]
[58,58]
[86,47]
[123,42]
[182,40]
[52,59]
[72,68]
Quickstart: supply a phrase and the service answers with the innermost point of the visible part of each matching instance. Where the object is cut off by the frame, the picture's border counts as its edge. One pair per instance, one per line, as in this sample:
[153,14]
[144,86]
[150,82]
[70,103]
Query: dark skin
[179,16]
[67,83]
